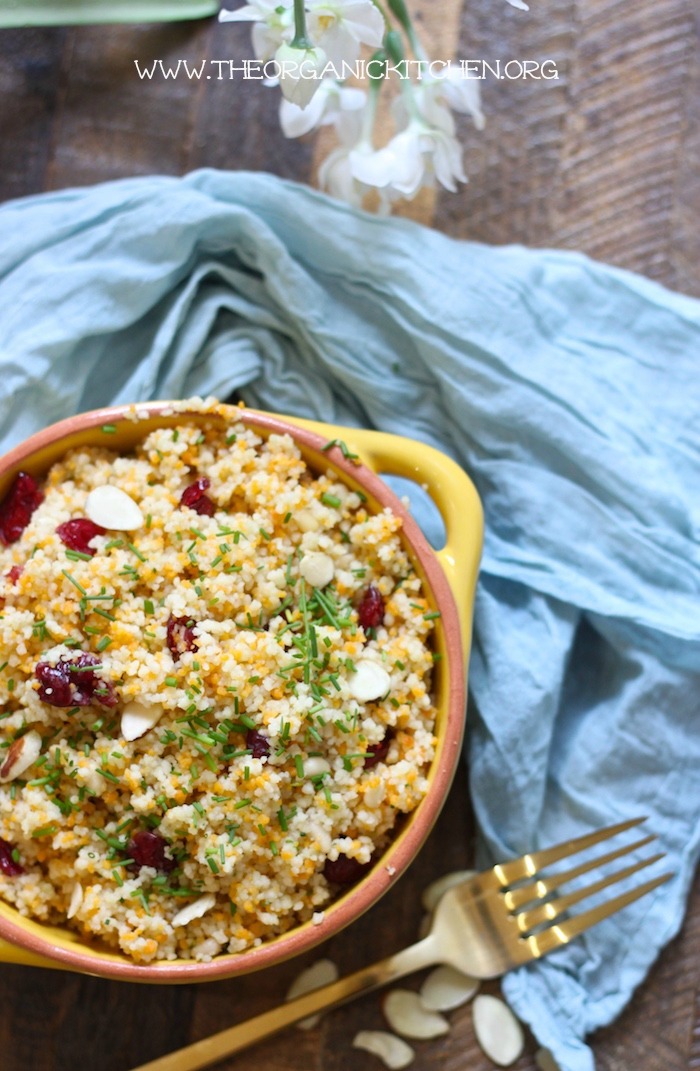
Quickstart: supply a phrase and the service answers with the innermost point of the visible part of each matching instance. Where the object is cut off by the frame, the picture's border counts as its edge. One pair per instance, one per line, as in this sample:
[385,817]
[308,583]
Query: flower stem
[370,116]
[400,12]
[300,37]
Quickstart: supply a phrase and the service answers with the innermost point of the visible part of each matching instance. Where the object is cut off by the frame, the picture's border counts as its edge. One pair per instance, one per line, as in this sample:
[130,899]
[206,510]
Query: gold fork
[498,920]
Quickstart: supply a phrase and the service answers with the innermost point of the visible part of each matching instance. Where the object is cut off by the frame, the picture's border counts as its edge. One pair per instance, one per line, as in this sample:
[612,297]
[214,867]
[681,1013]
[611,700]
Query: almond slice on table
[497,1030]
[322,972]
[20,756]
[424,926]
[110,507]
[195,910]
[394,1052]
[446,988]
[407,1015]
[317,568]
[437,888]
[138,718]
[369,681]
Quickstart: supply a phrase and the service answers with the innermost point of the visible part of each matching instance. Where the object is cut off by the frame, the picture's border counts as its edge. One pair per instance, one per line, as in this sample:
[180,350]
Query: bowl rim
[68,952]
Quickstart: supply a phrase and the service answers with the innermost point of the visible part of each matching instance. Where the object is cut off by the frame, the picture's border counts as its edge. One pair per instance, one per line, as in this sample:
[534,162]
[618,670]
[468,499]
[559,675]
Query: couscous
[215,690]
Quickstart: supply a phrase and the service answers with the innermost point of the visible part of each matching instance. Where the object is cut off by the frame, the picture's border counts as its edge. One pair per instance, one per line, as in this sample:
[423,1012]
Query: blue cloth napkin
[569,391]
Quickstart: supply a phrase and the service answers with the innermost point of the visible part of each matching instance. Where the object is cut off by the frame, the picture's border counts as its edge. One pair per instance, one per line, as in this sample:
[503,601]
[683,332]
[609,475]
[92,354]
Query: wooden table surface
[604,160]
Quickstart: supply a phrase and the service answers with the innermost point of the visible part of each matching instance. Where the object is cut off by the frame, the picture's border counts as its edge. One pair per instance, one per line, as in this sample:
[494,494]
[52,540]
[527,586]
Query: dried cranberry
[17,507]
[344,870]
[370,610]
[14,573]
[258,743]
[378,752]
[147,848]
[180,636]
[73,683]
[7,864]
[76,534]
[194,497]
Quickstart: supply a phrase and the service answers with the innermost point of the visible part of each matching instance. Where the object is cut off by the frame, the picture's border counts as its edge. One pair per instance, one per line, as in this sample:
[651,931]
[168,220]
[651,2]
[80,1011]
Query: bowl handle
[449,487]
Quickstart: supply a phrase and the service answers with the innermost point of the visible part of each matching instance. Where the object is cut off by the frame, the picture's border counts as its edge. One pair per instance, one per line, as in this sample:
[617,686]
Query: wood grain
[606,160]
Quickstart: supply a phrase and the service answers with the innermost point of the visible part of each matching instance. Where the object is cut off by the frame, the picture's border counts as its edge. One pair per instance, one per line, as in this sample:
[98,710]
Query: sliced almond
[20,756]
[138,718]
[369,681]
[435,890]
[195,910]
[545,1061]
[407,1015]
[394,1052]
[307,520]
[497,1030]
[317,568]
[316,765]
[76,900]
[322,972]
[111,507]
[446,988]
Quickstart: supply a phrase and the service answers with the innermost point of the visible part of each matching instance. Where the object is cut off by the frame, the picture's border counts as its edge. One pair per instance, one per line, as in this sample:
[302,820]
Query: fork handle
[212,1049]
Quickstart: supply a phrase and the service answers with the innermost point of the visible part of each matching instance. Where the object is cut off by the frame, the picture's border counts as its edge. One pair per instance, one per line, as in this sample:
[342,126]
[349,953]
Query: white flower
[341,26]
[411,159]
[336,177]
[300,72]
[454,89]
[333,104]
[398,165]
[274,24]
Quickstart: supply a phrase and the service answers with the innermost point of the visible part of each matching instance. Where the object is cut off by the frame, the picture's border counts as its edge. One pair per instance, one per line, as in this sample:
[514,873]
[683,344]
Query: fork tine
[561,933]
[528,865]
[537,890]
[547,912]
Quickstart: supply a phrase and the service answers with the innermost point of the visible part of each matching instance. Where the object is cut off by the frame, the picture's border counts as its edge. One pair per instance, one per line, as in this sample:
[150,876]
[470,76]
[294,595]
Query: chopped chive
[171,682]
[330,500]
[45,831]
[78,556]
[341,446]
[431,616]
[299,764]
[74,582]
[136,551]
[109,429]
[103,613]
[104,643]
[148,606]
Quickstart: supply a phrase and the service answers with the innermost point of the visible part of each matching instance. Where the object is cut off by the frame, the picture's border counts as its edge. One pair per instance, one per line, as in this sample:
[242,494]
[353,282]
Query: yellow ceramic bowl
[450,578]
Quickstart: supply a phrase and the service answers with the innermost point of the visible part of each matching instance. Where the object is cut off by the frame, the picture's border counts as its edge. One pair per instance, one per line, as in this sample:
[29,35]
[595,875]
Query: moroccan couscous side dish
[215,689]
